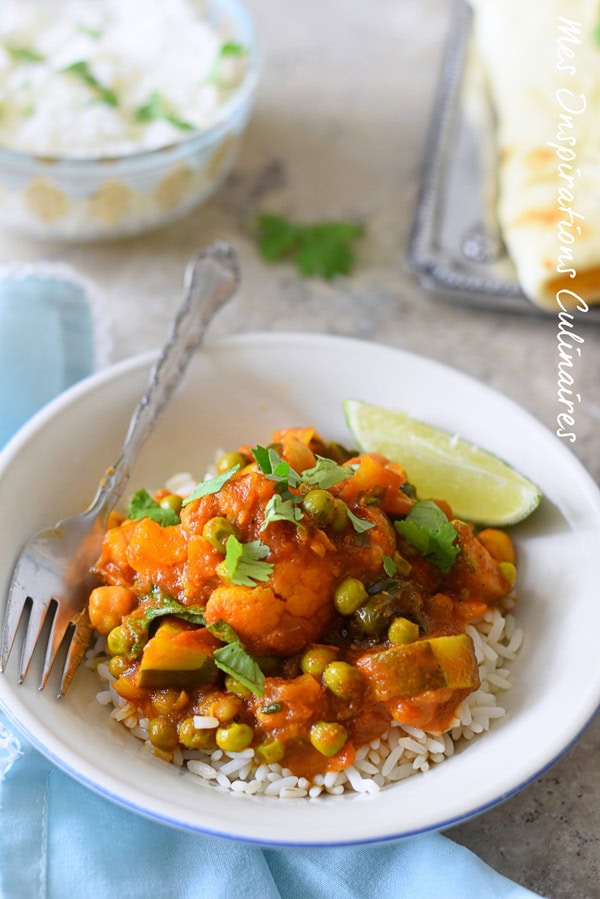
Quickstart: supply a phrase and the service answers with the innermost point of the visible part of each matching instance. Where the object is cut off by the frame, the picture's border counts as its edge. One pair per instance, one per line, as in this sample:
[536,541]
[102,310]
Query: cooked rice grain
[401,752]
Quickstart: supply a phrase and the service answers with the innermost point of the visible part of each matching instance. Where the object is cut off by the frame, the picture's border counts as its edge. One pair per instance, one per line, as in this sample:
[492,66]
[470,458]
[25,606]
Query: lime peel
[479,486]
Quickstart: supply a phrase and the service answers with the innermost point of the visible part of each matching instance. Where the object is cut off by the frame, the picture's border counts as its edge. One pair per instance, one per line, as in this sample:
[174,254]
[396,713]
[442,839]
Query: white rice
[401,752]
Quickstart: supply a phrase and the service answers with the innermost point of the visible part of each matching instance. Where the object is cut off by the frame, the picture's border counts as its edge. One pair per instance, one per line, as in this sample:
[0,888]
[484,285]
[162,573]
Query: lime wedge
[479,487]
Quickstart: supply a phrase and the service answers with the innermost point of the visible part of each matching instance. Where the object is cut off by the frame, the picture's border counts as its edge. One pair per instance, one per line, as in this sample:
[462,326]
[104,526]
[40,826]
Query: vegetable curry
[297,602]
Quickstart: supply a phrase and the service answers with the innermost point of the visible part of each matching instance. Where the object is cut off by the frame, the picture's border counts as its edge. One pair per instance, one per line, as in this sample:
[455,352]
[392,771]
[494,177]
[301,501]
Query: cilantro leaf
[276,236]
[232,48]
[243,562]
[142,505]
[274,467]
[211,485]
[170,606]
[427,528]
[155,109]
[359,524]
[24,54]
[94,33]
[325,474]
[82,70]
[235,661]
[279,509]
[138,626]
[322,249]
[389,566]
[223,632]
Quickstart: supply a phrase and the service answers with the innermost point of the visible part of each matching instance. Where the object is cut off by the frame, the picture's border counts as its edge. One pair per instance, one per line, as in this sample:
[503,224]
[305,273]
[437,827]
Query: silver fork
[52,575]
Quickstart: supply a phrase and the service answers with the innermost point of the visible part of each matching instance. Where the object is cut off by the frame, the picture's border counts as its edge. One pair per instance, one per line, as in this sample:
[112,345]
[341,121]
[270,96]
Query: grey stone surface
[339,130]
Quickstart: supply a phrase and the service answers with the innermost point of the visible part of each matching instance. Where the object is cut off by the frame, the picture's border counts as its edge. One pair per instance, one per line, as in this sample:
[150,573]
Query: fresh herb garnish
[279,509]
[25,54]
[243,562]
[211,485]
[274,467]
[427,528]
[156,109]
[325,474]
[359,524]
[235,661]
[94,33]
[82,70]
[170,606]
[322,249]
[142,505]
[271,709]
[138,626]
[231,48]
[389,566]
[223,632]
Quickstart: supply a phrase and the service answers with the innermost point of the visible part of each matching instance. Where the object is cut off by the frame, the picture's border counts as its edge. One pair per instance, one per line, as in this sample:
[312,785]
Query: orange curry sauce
[279,619]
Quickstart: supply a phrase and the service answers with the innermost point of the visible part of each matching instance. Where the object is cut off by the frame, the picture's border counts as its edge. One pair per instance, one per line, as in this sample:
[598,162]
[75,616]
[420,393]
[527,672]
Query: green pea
[194,737]
[217,530]
[234,737]
[340,519]
[401,630]
[319,505]
[119,641]
[316,660]
[270,752]
[173,502]
[162,733]
[328,737]
[228,460]
[118,665]
[349,596]
[343,679]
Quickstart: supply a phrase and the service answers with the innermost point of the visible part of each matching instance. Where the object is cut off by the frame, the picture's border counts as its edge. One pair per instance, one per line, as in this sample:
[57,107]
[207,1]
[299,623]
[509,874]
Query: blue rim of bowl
[146,358]
[242,96]
[157,818]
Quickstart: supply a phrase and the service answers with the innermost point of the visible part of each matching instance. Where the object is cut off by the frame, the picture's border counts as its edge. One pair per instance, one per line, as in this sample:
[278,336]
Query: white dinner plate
[238,391]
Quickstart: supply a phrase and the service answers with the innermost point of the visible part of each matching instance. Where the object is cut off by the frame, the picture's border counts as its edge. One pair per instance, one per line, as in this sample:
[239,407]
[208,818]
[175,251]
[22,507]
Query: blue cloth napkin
[59,840]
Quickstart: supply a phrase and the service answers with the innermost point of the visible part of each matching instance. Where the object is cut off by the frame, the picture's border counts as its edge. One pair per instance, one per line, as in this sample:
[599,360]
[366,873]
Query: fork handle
[210,280]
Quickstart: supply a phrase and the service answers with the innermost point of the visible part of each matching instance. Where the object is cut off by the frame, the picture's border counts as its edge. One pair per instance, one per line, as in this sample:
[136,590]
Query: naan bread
[542,62]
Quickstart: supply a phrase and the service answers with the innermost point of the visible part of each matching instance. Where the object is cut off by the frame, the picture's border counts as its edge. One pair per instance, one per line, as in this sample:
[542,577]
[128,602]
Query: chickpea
[108,606]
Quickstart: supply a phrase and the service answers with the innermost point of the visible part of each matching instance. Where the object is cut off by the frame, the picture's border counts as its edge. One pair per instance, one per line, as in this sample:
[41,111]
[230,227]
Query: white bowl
[107,197]
[239,390]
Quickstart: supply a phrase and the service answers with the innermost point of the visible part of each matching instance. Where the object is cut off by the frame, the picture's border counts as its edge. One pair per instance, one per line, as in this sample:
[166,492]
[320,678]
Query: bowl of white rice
[119,117]
[540,684]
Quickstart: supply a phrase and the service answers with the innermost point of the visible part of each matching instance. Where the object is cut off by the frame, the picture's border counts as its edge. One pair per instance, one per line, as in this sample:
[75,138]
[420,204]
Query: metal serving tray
[456,248]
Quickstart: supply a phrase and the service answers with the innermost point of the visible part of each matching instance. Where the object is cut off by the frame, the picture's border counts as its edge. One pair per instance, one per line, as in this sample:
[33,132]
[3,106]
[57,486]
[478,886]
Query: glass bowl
[91,199]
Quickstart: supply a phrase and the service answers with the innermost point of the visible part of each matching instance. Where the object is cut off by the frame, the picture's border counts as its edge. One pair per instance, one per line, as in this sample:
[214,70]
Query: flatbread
[542,65]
